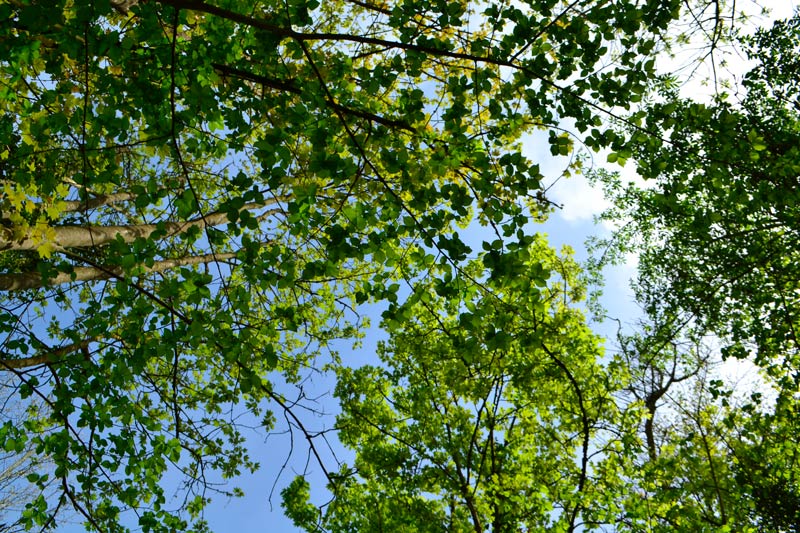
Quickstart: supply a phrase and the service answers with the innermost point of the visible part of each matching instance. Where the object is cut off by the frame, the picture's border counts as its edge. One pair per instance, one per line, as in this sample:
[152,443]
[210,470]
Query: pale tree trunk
[34,280]
[98,201]
[78,206]
[123,6]
[89,236]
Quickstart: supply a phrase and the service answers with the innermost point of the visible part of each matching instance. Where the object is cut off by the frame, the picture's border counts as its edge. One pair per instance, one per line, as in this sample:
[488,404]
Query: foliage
[198,194]
[767,456]
[716,233]
[20,466]
[481,415]
[716,229]
[198,197]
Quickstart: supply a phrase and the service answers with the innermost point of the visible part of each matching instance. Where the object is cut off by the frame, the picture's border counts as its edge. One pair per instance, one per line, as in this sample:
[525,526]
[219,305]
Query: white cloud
[580,200]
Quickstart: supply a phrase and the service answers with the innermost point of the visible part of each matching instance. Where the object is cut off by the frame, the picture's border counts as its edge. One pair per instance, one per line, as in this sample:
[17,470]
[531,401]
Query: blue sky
[571,225]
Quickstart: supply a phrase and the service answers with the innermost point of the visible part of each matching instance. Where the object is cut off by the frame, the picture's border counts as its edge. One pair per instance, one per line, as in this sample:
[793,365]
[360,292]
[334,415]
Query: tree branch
[98,201]
[89,236]
[289,86]
[585,422]
[54,355]
[80,206]
[34,280]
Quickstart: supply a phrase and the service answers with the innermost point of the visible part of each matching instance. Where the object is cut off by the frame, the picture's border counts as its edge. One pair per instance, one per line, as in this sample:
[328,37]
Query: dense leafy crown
[481,416]
[196,192]
[717,237]
[717,228]
[198,196]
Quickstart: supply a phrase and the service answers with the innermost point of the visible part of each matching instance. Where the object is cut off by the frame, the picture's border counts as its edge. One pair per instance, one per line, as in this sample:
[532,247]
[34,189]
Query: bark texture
[34,280]
[89,236]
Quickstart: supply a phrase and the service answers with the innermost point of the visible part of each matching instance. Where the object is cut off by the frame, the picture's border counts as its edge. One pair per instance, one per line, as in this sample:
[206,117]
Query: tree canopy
[717,242]
[199,198]
[485,415]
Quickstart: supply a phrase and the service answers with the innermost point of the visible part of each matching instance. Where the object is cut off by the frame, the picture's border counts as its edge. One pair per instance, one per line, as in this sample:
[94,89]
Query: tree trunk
[34,280]
[89,236]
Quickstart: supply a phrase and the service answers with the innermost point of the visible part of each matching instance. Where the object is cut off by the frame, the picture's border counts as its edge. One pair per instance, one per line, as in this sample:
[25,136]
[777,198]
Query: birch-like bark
[34,280]
[123,6]
[97,201]
[88,236]
[78,206]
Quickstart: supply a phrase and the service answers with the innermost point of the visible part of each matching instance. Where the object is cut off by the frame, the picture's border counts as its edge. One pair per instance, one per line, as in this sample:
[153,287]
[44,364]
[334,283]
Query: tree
[196,194]
[489,412]
[716,230]
[684,477]
[19,464]
[501,412]
[718,457]
[718,247]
